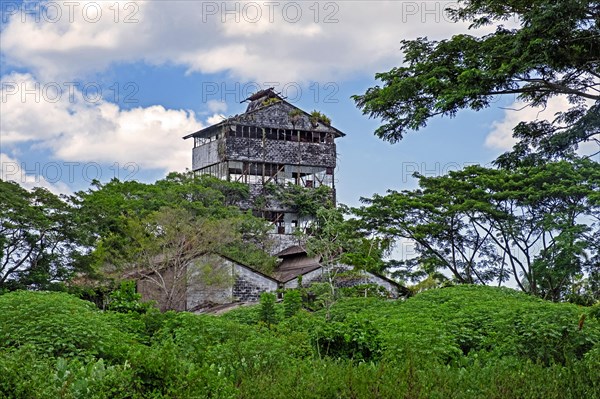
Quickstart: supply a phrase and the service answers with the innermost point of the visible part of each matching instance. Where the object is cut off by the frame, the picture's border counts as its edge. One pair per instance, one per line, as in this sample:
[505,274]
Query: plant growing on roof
[317,116]
[269,101]
[295,115]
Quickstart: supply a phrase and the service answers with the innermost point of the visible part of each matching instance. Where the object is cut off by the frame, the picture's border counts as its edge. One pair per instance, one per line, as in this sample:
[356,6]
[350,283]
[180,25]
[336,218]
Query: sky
[97,90]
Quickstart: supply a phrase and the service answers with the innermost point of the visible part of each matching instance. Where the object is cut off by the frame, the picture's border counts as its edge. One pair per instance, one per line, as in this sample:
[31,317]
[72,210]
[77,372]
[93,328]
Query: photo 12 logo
[410,169]
[53,92]
[67,172]
[292,92]
[70,11]
[270,11]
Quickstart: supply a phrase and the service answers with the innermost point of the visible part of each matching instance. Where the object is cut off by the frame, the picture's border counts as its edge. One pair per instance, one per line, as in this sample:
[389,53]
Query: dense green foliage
[537,225]
[111,229]
[553,51]
[534,219]
[39,238]
[123,217]
[465,341]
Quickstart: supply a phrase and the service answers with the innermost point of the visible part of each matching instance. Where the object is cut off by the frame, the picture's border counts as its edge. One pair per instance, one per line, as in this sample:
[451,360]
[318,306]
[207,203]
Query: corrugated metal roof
[293,250]
[292,267]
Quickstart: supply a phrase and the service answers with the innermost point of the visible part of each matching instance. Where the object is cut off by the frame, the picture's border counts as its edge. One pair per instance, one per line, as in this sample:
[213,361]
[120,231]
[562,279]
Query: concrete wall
[276,151]
[151,288]
[283,241]
[210,281]
[249,285]
[308,278]
[370,278]
[218,280]
[362,277]
[206,154]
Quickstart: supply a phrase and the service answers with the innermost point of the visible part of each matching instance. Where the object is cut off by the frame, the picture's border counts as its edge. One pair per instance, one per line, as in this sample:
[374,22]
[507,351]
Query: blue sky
[107,89]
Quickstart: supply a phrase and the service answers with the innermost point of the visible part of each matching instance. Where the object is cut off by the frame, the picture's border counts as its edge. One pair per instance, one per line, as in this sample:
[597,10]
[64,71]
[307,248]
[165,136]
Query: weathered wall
[307,279]
[206,154]
[278,151]
[370,278]
[218,280]
[249,285]
[283,241]
[210,281]
[362,277]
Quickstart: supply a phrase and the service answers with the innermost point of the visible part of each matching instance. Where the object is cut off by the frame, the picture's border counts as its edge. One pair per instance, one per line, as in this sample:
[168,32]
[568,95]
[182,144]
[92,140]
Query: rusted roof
[292,267]
[293,250]
[236,119]
[263,93]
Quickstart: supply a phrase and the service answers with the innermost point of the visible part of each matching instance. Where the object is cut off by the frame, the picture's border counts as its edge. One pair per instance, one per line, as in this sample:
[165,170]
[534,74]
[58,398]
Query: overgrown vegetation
[465,341]
[317,116]
[83,242]
[533,219]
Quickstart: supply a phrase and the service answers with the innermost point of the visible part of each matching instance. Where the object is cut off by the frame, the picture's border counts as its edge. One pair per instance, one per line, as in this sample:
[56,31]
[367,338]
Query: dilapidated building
[212,280]
[273,142]
[272,145]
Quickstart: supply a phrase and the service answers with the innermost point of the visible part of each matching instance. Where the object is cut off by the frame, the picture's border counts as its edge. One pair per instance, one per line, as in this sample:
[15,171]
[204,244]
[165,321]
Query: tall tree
[160,230]
[40,243]
[538,223]
[336,242]
[166,248]
[555,50]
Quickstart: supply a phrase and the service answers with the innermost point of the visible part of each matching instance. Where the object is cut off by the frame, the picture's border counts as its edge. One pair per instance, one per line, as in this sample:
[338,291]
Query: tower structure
[272,143]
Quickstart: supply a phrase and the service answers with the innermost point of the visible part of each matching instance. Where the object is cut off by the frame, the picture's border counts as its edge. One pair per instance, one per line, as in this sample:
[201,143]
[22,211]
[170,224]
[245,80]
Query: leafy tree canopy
[555,50]
[537,225]
[40,244]
[120,217]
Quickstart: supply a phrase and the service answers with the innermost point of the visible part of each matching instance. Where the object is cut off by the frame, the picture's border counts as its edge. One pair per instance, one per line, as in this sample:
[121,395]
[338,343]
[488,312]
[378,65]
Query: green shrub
[267,308]
[60,325]
[292,302]
[126,299]
[459,342]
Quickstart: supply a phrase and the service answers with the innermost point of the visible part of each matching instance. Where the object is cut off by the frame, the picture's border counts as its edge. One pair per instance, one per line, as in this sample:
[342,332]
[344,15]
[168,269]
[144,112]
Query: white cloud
[76,130]
[325,41]
[500,137]
[12,170]
[216,106]
[216,118]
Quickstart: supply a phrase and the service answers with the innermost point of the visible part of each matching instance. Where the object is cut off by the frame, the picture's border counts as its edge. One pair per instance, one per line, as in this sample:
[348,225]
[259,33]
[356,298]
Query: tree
[538,223]
[292,302]
[435,219]
[166,249]
[335,241]
[114,213]
[40,243]
[554,51]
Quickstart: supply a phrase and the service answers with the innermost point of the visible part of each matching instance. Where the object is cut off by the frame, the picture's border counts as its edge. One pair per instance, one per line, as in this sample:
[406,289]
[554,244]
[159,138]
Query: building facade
[212,280]
[272,144]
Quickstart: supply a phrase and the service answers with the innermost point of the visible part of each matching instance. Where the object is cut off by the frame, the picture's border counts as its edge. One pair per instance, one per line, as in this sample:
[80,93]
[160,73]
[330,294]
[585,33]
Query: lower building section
[213,280]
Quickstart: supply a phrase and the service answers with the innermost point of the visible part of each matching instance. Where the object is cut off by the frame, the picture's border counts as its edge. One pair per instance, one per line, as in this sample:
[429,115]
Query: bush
[126,299]
[267,308]
[60,325]
[463,342]
[292,302]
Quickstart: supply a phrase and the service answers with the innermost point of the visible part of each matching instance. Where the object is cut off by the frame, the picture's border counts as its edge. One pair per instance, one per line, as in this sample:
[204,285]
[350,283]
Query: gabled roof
[142,273]
[292,267]
[296,262]
[256,105]
[293,250]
